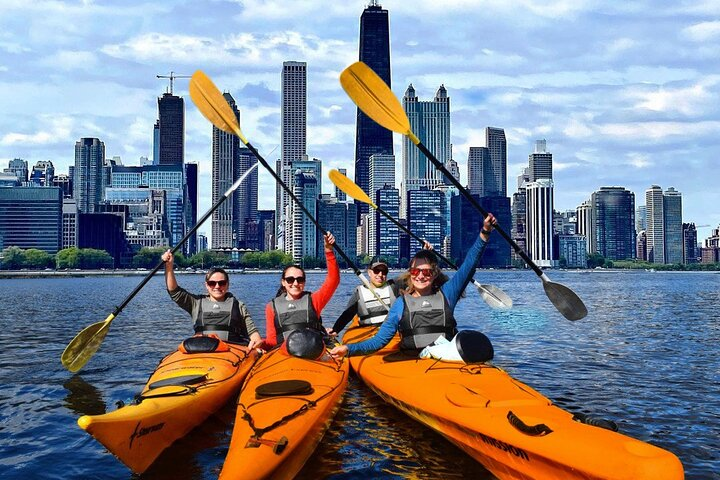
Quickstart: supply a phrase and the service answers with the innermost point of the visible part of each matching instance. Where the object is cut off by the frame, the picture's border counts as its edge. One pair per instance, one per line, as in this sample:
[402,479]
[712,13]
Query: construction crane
[172,78]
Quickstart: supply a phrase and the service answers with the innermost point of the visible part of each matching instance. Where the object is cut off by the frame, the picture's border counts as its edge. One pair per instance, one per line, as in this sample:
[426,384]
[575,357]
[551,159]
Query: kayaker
[218,312]
[425,310]
[293,307]
[364,303]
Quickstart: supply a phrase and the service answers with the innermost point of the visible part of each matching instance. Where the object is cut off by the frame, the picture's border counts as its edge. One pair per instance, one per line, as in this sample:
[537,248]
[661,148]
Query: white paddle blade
[495,297]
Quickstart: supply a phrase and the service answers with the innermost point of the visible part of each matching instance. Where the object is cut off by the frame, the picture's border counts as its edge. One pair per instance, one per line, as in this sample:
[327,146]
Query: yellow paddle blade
[349,187]
[85,344]
[375,98]
[211,103]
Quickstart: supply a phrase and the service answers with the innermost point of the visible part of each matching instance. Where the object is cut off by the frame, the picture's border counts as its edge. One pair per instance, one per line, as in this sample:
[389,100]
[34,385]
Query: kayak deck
[508,427]
[284,409]
[184,390]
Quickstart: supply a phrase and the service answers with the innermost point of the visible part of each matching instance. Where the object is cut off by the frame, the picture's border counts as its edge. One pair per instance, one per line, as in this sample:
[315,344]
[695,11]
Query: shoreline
[8,274]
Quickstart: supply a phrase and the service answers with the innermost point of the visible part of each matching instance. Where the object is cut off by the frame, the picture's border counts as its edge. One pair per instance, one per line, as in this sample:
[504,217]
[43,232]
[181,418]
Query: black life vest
[295,314]
[222,319]
[424,319]
[370,310]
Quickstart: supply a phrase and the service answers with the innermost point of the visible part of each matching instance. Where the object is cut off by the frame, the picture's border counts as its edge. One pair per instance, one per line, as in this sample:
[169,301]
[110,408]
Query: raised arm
[383,336]
[454,287]
[322,296]
[170,280]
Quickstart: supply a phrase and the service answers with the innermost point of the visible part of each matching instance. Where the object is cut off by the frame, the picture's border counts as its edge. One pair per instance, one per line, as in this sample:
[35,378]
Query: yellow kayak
[188,386]
[511,429]
[284,409]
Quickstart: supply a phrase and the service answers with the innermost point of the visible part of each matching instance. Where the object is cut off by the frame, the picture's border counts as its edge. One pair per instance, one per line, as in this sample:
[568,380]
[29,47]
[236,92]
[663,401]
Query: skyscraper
[191,204]
[614,217]
[540,162]
[171,130]
[382,172]
[672,208]
[478,167]
[655,233]
[586,225]
[19,168]
[370,137]
[245,204]
[224,148]
[427,217]
[339,194]
[88,180]
[431,123]
[540,221]
[496,180]
[304,238]
[293,141]
[31,218]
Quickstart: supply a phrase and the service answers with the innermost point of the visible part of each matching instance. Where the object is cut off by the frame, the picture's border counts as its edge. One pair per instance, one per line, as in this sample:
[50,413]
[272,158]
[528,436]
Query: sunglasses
[294,279]
[427,272]
[219,283]
[380,270]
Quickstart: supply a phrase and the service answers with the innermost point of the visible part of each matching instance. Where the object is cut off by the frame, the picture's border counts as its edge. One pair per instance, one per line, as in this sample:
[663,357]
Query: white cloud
[691,100]
[639,160]
[70,60]
[703,32]
[55,130]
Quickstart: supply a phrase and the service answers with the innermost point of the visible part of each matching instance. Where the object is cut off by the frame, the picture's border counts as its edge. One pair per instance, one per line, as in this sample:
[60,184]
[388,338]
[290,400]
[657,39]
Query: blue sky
[625,93]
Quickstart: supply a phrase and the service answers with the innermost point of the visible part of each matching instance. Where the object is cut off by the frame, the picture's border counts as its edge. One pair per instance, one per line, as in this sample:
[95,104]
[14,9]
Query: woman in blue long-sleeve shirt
[425,311]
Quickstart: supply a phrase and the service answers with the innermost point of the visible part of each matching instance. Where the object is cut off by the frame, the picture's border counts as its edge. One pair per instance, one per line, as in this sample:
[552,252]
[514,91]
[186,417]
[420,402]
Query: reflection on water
[82,398]
[645,357]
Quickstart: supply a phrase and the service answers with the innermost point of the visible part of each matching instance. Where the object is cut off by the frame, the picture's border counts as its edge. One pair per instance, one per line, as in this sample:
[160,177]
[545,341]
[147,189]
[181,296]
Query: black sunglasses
[219,283]
[294,279]
[379,270]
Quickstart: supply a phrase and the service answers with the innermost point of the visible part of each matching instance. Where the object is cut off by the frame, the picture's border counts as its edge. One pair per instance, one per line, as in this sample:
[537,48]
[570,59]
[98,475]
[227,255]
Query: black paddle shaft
[349,262]
[475,204]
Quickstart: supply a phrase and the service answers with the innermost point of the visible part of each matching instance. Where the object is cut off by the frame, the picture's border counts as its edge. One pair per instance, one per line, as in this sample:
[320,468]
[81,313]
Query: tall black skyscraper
[370,137]
[191,200]
[171,126]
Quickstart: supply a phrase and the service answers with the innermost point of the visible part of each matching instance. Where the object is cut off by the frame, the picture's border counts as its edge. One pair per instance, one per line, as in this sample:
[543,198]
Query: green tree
[34,258]
[595,260]
[68,258]
[13,258]
[90,258]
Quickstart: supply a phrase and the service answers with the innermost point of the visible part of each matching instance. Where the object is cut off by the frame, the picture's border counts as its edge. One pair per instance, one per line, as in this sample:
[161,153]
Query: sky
[625,93]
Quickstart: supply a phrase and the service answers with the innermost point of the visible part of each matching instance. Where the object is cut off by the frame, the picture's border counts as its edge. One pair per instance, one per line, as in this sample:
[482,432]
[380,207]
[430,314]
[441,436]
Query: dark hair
[282,290]
[429,257]
[215,270]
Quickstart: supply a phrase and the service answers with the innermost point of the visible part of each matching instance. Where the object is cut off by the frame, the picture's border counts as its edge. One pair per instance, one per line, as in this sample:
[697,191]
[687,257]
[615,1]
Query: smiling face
[294,282]
[217,286]
[378,275]
[422,275]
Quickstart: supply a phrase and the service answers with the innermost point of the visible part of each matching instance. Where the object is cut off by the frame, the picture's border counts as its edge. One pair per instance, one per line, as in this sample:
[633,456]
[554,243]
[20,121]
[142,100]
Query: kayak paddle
[372,95]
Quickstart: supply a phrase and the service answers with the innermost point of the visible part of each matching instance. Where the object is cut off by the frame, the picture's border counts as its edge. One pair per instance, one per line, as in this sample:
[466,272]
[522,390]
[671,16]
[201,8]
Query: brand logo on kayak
[141,432]
[500,445]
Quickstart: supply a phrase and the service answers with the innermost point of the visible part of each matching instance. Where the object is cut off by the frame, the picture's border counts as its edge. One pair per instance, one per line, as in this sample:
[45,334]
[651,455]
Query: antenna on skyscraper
[172,78]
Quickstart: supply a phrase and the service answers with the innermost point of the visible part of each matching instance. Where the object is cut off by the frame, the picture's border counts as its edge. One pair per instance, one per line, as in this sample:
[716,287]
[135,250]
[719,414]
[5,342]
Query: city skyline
[642,114]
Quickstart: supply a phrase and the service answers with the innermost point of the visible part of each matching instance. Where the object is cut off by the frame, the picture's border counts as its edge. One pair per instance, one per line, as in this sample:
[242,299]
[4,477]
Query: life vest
[295,314]
[424,319]
[370,310]
[221,319]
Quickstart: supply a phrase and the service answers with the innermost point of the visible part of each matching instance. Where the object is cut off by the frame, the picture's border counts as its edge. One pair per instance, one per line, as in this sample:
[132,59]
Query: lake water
[646,357]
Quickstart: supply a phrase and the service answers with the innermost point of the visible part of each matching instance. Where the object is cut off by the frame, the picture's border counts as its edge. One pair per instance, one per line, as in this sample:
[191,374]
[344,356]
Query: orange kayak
[285,406]
[185,389]
[511,429]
